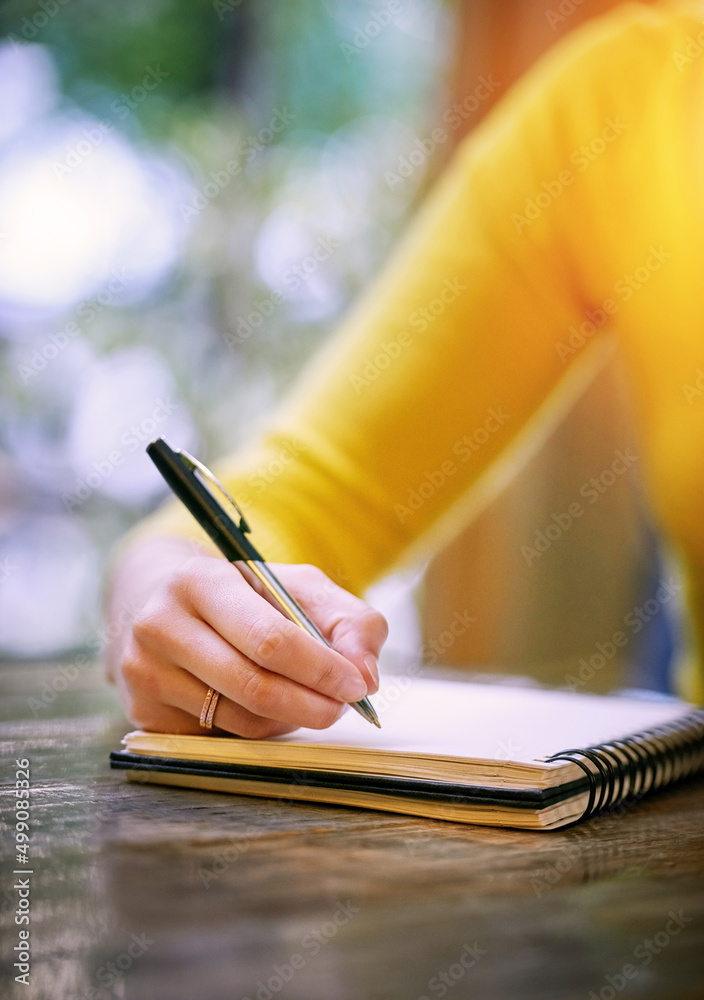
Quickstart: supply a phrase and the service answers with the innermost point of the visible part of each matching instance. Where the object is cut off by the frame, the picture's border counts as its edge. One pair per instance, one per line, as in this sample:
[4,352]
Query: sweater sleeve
[466,332]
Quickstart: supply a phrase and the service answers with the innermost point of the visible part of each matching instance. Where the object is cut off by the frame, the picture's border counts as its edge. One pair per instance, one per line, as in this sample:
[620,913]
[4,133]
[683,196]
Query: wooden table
[143,893]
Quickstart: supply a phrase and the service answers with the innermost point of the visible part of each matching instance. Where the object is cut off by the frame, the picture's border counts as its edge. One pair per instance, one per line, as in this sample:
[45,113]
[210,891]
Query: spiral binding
[624,770]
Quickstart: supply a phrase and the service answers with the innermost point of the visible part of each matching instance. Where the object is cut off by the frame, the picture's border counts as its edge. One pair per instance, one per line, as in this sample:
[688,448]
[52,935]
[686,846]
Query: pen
[189,480]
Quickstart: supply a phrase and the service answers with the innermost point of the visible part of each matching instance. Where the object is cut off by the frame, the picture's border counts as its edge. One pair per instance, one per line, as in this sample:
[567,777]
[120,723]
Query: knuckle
[326,672]
[190,578]
[192,582]
[148,627]
[141,680]
[263,640]
[256,692]
[182,576]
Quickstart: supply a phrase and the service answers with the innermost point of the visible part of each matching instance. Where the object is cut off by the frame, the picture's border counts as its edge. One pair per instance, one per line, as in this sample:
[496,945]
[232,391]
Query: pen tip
[367,712]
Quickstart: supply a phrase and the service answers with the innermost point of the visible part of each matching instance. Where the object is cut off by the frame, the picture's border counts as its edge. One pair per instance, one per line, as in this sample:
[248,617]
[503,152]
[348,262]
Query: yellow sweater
[577,207]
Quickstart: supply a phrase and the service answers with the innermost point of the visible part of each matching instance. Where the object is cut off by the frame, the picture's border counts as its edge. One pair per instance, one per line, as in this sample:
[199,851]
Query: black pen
[188,479]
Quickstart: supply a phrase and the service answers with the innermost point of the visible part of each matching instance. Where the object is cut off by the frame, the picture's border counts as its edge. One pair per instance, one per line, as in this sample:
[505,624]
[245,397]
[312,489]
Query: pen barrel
[281,597]
[201,503]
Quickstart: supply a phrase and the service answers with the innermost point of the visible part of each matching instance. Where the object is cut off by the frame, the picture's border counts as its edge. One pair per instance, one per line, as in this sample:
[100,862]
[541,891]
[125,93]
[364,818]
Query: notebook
[454,750]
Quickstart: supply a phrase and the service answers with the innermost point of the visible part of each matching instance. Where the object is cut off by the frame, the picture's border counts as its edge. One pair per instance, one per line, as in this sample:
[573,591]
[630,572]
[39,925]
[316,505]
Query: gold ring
[208,710]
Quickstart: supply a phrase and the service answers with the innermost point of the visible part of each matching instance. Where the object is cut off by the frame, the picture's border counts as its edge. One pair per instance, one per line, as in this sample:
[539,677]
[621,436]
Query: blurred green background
[191,195]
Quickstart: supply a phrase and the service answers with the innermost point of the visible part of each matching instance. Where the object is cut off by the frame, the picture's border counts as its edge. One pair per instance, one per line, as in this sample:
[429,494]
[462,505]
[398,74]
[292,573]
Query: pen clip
[197,466]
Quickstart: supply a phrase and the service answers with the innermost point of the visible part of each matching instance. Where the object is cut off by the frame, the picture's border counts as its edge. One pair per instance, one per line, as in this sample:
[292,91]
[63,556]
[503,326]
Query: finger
[354,628]
[229,716]
[141,678]
[199,650]
[219,595]
[163,697]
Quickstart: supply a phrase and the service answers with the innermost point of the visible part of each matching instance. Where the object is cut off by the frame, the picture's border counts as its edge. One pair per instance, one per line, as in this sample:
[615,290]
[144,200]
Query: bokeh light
[146,287]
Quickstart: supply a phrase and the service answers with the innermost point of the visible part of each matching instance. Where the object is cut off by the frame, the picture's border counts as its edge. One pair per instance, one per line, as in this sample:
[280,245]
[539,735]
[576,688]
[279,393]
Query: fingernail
[353,689]
[372,665]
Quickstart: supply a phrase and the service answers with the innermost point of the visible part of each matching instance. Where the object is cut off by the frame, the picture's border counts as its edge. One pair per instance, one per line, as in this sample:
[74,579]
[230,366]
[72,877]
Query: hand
[199,624]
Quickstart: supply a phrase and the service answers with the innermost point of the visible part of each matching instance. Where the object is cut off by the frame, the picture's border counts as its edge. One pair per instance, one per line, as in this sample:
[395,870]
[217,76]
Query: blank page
[495,722]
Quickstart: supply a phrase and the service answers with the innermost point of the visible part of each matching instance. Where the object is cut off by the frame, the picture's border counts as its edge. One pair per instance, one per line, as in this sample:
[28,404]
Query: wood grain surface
[144,893]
